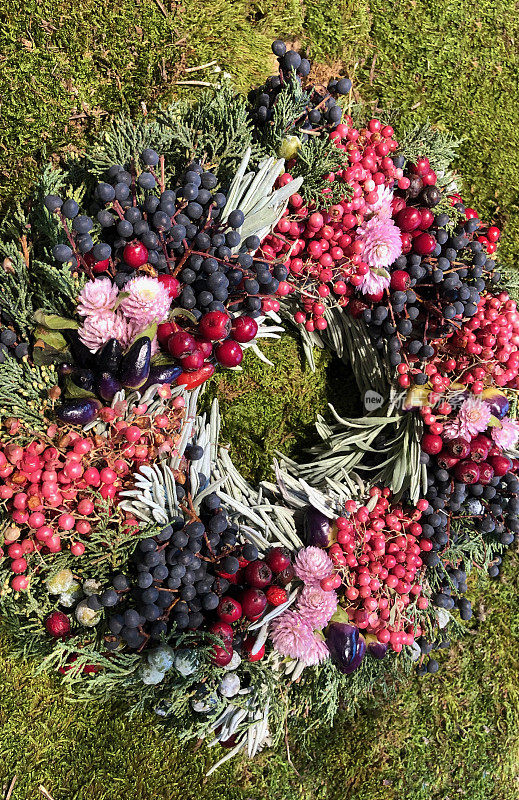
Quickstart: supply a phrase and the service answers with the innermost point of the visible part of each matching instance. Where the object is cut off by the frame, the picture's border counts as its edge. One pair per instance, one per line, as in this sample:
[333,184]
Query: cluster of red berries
[486,348]
[489,236]
[216,334]
[322,248]
[378,556]
[54,493]
[257,585]
[476,461]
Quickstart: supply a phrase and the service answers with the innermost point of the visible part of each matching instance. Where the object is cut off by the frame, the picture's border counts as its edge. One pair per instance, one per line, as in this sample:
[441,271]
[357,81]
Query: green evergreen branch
[24,392]
[316,158]
[422,139]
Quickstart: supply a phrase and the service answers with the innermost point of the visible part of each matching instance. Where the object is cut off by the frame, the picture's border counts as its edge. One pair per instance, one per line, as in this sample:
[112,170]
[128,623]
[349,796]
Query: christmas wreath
[136,560]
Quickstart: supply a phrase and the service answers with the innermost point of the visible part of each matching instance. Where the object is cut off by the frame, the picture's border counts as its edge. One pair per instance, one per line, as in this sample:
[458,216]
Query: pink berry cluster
[323,248]
[377,554]
[55,492]
[486,348]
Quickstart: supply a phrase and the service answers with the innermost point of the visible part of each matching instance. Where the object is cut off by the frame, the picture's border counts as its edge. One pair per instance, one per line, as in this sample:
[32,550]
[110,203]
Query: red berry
[276,596]
[215,325]
[97,266]
[493,234]
[253,603]
[221,656]
[229,610]
[135,254]
[408,219]
[400,280]
[467,471]
[192,361]
[427,218]
[223,630]
[57,625]
[422,166]
[432,444]
[228,353]
[164,331]
[171,283]
[108,475]
[247,648]
[20,583]
[286,575]
[181,344]
[278,559]
[486,473]
[479,448]
[500,464]
[446,460]
[204,345]
[459,448]
[258,574]
[244,329]
[424,244]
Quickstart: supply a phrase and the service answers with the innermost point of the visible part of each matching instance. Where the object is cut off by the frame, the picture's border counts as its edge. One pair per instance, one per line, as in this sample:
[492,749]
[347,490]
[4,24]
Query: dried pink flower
[97,296]
[382,242]
[97,329]
[316,607]
[473,418]
[507,436]
[312,564]
[148,301]
[293,637]
[375,282]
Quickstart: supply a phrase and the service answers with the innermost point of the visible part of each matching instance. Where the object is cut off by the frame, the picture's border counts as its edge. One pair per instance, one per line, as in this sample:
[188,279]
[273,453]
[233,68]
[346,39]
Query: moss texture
[65,67]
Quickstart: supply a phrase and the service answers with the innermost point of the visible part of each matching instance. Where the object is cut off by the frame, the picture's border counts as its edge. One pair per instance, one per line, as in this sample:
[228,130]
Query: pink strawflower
[148,301]
[312,564]
[382,207]
[97,296]
[506,437]
[473,417]
[293,637]
[316,607]
[375,282]
[382,242]
[97,329]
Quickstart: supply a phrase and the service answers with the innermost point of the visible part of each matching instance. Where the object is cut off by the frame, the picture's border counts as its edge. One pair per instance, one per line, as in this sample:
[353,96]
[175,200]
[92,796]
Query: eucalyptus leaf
[54,322]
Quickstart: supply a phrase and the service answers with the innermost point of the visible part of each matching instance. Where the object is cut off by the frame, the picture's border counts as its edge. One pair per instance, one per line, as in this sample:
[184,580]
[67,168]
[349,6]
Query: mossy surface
[65,67]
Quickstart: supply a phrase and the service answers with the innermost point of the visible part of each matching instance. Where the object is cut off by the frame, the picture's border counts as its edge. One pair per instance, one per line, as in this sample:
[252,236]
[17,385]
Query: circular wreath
[136,560]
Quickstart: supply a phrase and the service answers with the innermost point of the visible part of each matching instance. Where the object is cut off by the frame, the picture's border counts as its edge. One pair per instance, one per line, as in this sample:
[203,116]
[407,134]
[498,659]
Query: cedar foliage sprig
[290,105]
[30,279]
[423,139]
[215,129]
[315,159]
[24,393]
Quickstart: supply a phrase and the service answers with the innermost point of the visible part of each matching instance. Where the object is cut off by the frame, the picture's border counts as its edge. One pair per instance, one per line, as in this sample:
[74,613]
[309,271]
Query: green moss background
[65,67]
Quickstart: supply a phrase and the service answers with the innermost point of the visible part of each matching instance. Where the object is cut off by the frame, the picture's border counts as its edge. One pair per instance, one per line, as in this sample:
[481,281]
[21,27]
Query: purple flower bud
[497,401]
[377,649]
[347,647]
[317,529]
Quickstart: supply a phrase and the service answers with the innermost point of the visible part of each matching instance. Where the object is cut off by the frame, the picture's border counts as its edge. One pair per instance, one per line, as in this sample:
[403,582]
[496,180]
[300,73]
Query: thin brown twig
[162,9]
[11,787]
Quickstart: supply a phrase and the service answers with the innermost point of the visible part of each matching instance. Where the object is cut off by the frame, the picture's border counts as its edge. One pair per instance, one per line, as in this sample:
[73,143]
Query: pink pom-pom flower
[312,564]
